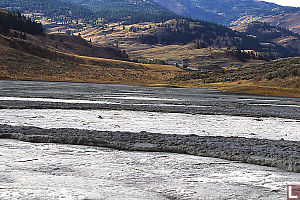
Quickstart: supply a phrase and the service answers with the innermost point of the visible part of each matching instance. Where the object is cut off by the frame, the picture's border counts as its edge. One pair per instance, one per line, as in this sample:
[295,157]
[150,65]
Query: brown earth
[25,60]
[189,55]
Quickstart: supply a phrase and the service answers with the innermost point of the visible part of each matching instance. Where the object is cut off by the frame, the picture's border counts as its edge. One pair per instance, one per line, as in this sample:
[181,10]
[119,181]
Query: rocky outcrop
[281,154]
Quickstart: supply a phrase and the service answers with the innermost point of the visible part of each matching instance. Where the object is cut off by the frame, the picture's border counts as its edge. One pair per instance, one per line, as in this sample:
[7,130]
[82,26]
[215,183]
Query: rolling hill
[286,20]
[77,15]
[24,56]
[128,11]
[264,32]
[18,26]
[224,11]
[24,60]
[212,35]
[40,56]
[197,34]
[85,16]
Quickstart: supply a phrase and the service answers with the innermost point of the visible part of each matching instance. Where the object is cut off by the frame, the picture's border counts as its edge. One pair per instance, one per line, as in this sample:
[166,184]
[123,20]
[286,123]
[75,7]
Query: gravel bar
[281,154]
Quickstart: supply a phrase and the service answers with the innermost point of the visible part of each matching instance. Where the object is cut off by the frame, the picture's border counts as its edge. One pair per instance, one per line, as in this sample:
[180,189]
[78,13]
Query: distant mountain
[79,15]
[264,32]
[258,37]
[133,11]
[224,11]
[290,21]
[92,12]
[60,57]
[50,8]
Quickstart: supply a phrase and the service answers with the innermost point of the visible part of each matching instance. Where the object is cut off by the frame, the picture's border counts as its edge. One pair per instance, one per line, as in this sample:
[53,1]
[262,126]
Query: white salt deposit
[165,123]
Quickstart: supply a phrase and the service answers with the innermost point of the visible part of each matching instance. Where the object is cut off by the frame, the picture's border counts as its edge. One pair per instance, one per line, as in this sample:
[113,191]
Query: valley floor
[151,121]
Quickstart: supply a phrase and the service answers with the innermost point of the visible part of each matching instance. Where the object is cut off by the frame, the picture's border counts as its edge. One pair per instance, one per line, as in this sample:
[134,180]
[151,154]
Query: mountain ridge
[78,15]
[227,12]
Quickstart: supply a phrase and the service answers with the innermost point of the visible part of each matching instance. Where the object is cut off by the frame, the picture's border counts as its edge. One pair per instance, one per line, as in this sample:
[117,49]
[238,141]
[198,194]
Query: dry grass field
[205,58]
[286,20]
[97,70]
[58,59]
[25,61]
[187,55]
[22,60]
[260,88]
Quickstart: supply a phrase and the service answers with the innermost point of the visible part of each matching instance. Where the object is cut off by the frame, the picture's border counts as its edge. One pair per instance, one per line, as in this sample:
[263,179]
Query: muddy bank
[281,154]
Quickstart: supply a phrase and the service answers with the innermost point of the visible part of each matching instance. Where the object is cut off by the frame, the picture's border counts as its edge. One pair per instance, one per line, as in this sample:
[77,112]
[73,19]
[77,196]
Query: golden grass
[50,65]
[120,62]
[101,70]
[189,55]
[258,88]
[264,90]
[58,66]
[149,77]
[244,87]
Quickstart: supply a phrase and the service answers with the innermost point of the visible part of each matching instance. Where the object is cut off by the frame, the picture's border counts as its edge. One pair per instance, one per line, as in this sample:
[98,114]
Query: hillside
[272,71]
[224,11]
[50,8]
[193,33]
[18,26]
[211,35]
[286,20]
[23,60]
[264,32]
[128,11]
[275,78]
[30,62]
[89,14]
[58,57]
[77,15]
[18,22]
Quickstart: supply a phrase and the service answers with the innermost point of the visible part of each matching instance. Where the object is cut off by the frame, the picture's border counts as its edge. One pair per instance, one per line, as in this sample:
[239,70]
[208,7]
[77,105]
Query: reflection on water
[53,171]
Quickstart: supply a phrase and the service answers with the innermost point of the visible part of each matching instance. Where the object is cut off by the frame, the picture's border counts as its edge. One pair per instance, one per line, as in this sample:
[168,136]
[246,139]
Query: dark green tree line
[18,22]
